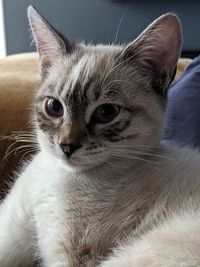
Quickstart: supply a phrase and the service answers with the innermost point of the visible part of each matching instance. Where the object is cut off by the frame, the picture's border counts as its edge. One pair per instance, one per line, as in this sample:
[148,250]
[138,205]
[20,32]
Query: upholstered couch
[19,77]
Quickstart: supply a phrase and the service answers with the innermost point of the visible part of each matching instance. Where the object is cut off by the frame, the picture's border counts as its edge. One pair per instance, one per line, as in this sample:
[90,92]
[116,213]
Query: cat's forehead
[91,62]
[83,70]
[90,74]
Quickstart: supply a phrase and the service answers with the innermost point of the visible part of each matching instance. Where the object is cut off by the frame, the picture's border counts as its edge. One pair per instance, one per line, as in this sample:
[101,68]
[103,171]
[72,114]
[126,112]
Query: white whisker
[27,152]
[134,157]
[20,137]
[119,25]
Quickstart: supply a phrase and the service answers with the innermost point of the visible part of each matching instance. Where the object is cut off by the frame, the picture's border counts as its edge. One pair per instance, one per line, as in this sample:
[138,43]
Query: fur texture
[102,191]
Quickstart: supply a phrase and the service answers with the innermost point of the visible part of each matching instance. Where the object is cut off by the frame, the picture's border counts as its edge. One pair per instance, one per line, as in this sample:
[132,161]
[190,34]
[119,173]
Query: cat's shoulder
[43,167]
[181,154]
[183,161]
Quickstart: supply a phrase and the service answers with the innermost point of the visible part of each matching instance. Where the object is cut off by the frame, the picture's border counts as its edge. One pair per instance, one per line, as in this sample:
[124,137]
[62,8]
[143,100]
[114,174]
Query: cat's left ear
[157,50]
[50,44]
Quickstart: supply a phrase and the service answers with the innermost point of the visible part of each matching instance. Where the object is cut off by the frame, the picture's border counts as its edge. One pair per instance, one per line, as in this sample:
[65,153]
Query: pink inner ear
[47,41]
[45,64]
[171,39]
[159,45]
[45,58]
[48,48]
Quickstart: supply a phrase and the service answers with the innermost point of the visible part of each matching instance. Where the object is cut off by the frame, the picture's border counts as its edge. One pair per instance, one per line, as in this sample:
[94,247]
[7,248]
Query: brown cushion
[181,67]
[18,78]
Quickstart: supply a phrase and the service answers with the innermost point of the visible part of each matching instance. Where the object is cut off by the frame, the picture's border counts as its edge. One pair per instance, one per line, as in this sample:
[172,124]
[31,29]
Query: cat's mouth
[73,162]
[76,163]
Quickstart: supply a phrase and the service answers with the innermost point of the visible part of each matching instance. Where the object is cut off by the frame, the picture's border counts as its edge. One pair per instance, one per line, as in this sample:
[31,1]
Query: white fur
[34,215]
[125,202]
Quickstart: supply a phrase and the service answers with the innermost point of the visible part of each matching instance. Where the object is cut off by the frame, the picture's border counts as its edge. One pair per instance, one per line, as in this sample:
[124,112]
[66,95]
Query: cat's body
[101,181]
[80,218]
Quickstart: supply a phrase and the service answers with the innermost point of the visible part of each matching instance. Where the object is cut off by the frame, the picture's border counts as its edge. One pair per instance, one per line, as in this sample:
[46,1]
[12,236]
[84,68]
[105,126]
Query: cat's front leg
[140,253]
[53,242]
[175,243]
[16,243]
[126,258]
[52,227]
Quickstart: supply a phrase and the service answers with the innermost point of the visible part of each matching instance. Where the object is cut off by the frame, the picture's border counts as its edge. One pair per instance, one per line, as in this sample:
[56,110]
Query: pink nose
[69,149]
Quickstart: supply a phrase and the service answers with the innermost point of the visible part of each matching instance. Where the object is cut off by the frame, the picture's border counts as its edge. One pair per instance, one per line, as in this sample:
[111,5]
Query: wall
[98,20]
[2,35]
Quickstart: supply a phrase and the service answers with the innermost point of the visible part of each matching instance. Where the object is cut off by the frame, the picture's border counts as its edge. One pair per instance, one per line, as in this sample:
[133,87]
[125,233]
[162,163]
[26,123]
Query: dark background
[98,20]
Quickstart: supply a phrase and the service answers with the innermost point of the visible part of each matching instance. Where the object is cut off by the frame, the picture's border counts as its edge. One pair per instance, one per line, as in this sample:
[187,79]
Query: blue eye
[106,113]
[54,108]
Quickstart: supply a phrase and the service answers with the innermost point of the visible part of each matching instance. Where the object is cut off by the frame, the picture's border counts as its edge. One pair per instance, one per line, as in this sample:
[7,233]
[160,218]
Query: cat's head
[97,103]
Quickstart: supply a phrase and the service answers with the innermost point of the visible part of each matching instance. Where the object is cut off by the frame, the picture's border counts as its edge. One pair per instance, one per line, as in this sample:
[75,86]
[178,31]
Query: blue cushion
[183,109]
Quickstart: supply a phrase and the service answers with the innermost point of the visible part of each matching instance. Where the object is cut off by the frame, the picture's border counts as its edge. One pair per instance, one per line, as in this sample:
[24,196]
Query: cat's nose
[69,149]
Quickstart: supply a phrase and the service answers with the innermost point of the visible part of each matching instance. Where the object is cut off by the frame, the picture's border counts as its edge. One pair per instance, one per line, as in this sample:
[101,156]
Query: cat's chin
[75,164]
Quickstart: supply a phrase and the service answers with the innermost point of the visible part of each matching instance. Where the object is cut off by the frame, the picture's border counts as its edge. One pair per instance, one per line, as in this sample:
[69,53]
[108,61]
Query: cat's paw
[59,265]
[118,262]
[128,262]
[129,257]
[115,264]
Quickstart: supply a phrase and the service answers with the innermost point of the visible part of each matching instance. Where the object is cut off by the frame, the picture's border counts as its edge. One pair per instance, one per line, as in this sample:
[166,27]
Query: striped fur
[83,77]
[121,198]
[87,78]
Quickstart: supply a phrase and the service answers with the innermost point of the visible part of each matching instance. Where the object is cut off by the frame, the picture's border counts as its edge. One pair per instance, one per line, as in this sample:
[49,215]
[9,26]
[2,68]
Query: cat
[102,190]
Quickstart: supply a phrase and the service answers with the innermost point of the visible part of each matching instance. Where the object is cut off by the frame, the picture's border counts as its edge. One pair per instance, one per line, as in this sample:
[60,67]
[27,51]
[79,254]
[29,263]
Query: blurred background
[2,33]
[97,20]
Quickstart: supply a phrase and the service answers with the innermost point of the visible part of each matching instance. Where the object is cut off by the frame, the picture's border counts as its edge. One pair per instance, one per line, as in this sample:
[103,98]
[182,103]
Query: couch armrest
[18,78]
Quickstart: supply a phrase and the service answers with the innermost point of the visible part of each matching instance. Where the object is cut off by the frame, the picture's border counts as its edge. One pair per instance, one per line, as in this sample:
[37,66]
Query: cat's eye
[53,107]
[106,113]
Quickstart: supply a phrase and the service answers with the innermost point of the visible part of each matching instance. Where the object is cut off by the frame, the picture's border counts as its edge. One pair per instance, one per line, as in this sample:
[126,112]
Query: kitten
[102,191]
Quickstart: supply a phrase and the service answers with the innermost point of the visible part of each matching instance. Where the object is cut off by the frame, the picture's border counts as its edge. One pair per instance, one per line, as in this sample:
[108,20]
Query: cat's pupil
[54,107]
[106,113]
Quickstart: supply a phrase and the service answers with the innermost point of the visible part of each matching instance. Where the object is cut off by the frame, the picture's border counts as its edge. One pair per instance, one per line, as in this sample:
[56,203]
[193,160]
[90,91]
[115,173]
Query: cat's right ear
[156,51]
[50,44]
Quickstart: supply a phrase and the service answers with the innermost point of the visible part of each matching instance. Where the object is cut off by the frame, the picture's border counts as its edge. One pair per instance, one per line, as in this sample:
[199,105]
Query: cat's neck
[114,169]
[118,168]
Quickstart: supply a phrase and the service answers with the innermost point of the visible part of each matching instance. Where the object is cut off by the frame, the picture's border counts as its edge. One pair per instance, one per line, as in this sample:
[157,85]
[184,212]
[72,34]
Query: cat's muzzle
[69,149]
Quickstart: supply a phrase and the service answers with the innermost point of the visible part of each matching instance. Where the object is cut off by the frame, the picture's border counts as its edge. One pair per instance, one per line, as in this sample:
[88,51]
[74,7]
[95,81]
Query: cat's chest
[90,217]
[102,216]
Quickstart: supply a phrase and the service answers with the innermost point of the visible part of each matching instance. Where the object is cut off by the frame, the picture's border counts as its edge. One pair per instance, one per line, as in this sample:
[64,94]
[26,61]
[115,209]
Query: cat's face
[99,103]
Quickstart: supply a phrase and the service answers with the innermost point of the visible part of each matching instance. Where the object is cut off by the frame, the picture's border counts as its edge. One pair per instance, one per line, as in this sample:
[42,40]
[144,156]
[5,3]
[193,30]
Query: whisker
[22,147]
[119,24]
[27,152]
[156,149]
[15,150]
[135,149]
[138,148]
[129,83]
[20,137]
[133,157]
[116,66]
[143,153]
[8,152]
